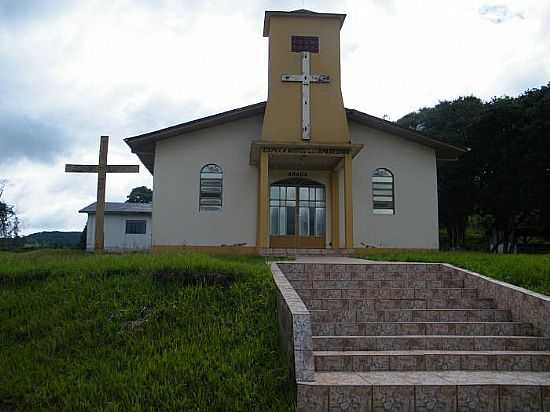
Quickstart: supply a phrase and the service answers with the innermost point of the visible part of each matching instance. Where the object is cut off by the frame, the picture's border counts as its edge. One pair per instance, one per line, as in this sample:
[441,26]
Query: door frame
[296,241]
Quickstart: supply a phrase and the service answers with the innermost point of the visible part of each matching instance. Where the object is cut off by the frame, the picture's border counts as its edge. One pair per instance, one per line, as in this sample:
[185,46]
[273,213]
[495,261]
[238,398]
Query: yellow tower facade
[304,102]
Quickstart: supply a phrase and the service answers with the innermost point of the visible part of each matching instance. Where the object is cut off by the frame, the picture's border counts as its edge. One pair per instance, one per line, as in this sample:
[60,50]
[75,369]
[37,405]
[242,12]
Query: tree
[9,222]
[449,121]
[140,194]
[512,142]
[505,178]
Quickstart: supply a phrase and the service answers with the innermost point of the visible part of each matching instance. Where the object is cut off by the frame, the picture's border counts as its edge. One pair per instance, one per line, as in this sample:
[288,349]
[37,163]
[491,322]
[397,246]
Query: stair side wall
[294,327]
[525,305]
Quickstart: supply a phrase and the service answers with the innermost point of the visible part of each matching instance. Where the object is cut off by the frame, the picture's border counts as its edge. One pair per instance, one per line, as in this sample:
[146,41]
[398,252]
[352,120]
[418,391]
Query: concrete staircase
[414,338]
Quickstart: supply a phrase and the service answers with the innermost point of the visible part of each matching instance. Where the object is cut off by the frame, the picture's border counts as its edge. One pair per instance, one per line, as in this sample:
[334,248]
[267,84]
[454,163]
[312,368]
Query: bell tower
[304,103]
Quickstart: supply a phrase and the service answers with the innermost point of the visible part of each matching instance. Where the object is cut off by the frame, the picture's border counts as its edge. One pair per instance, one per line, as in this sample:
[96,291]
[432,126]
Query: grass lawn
[138,332]
[528,271]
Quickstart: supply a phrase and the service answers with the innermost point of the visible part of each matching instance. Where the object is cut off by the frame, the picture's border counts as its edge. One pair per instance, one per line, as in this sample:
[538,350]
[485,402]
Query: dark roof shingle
[120,208]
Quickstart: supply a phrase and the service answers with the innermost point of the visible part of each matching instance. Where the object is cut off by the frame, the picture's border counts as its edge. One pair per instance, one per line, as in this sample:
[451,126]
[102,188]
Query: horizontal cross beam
[71,168]
[302,78]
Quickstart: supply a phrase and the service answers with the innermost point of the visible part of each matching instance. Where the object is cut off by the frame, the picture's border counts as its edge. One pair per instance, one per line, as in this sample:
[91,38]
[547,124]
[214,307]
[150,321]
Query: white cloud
[124,67]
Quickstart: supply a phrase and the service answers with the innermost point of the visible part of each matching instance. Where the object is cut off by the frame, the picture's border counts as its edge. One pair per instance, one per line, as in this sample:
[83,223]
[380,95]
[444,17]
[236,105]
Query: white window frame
[382,192]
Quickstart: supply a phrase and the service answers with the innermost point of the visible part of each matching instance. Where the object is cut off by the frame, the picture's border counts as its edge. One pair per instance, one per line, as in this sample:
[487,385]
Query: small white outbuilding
[127,226]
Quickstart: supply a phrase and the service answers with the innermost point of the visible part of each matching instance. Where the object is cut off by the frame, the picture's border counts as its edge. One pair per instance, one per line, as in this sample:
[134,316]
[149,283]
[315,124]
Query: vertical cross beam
[100,205]
[306,112]
[306,78]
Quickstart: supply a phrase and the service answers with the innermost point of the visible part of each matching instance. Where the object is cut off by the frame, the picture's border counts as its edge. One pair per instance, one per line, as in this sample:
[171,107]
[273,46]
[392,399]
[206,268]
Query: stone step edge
[428,337]
[416,310]
[511,322]
[417,352]
[317,283]
[298,290]
[419,299]
[430,378]
[389,288]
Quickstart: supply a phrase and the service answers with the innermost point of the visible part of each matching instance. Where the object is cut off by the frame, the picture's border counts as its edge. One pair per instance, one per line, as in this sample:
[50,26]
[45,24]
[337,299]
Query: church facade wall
[177,220]
[415,222]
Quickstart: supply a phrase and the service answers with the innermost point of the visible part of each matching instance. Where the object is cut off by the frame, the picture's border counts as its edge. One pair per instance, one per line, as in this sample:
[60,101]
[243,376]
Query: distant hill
[52,239]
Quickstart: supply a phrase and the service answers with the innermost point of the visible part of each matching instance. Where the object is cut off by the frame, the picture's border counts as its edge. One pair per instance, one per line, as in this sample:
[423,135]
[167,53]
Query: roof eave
[144,145]
[269,13]
[444,151]
[127,212]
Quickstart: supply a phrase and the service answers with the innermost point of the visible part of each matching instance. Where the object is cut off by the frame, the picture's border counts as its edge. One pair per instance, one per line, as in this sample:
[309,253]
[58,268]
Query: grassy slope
[99,333]
[528,271]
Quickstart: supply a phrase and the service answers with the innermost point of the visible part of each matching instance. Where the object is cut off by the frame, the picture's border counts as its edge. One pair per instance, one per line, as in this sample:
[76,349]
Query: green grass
[528,271]
[138,332]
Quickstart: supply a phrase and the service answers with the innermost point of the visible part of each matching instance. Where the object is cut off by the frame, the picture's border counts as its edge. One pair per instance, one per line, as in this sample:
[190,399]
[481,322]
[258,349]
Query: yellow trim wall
[335,210]
[348,200]
[282,119]
[263,207]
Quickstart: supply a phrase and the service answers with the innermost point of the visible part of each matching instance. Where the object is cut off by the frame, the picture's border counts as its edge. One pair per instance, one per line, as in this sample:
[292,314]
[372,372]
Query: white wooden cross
[306,78]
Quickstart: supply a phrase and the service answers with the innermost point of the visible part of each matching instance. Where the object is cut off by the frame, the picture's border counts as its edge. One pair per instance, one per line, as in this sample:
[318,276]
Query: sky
[71,71]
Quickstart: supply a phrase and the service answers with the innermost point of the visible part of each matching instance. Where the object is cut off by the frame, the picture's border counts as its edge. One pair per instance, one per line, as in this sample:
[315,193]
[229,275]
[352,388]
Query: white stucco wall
[178,221]
[415,222]
[178,160]
[116,237]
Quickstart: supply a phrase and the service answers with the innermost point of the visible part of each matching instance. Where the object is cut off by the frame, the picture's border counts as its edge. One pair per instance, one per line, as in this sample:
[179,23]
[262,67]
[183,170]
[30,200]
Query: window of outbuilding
[383,193]
[211,187]
[136,227]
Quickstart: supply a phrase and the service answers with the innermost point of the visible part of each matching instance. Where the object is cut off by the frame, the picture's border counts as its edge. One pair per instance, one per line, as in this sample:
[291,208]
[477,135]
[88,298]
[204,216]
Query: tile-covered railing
[294,327]
[525,305]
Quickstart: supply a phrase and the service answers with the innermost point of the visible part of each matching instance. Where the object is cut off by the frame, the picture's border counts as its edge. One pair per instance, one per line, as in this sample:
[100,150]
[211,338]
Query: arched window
[211,190]
[383,192]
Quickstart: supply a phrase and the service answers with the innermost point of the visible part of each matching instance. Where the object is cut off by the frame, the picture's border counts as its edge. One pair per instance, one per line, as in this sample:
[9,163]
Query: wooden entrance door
[297,214]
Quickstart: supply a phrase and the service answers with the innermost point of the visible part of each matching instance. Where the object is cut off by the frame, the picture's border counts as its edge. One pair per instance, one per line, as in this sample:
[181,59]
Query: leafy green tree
[141,194]
[512,142]
[9,222]
[505,178]
[449,121]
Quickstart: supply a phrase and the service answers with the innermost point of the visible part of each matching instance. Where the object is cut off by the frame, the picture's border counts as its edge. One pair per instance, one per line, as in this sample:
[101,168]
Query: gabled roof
[299,13]
[443,150]
[144,144]
[119,208]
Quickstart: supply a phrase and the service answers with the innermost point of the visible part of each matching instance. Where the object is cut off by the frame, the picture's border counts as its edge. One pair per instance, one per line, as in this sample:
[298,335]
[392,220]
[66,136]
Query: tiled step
[365,361]
[412,315]
[378,284]
[383,304]
[423,328]
[366,272]
[389,293]
[426,391]
[430,342]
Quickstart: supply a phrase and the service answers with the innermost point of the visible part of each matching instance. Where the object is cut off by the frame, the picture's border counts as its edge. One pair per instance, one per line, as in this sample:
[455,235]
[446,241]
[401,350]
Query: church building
[299,171]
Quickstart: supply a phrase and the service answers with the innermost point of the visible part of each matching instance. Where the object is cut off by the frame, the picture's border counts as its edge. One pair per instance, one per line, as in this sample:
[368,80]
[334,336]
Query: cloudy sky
[71,71]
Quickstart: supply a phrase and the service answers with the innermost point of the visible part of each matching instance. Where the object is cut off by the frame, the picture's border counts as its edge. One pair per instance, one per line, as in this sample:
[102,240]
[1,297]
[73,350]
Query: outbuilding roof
[120,208]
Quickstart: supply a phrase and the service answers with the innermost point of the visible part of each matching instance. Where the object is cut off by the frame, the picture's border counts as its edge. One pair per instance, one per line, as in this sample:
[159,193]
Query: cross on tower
[306,78]
[101,169]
